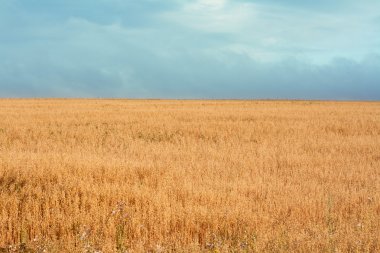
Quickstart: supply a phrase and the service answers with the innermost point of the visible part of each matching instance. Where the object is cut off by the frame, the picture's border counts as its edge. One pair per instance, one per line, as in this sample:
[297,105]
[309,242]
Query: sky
[216,49]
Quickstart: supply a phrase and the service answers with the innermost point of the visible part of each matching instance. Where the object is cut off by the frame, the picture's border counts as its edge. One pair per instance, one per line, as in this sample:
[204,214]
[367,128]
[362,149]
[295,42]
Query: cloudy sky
[301,49]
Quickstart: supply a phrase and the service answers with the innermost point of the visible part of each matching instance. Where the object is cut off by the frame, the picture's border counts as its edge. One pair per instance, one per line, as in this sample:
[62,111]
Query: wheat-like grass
[190,176]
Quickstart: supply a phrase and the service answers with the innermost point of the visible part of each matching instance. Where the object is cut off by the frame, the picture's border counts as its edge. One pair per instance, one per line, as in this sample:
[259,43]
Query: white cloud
[213,16]
[202,5]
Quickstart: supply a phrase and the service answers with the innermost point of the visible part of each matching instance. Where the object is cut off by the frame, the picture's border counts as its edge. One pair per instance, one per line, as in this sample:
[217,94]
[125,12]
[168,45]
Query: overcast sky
[301,49]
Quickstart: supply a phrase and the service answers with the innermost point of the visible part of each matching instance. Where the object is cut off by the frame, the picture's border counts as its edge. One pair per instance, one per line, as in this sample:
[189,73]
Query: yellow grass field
[189,176]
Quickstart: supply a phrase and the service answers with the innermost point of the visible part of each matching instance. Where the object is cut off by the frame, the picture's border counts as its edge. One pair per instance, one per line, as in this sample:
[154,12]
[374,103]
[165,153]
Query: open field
[189,176]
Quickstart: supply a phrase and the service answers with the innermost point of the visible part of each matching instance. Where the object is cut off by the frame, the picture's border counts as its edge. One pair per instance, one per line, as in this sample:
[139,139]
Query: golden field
[189,176]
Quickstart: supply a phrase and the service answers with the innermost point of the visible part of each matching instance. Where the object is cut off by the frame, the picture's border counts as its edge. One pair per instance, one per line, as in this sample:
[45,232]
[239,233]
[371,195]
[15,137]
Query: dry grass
[189,176]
